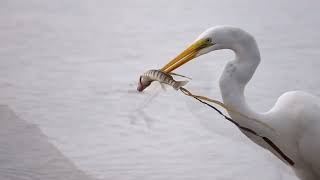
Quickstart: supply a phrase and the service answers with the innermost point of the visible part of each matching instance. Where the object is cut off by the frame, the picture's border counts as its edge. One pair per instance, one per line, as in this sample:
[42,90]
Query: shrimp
[156,75]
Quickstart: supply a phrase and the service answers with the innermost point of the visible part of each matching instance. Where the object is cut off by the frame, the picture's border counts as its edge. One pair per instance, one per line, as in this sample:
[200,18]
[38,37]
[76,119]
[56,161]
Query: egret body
[295,117]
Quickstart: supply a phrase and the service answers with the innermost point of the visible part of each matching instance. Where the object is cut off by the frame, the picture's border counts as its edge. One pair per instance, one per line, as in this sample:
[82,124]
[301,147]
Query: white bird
[295,116]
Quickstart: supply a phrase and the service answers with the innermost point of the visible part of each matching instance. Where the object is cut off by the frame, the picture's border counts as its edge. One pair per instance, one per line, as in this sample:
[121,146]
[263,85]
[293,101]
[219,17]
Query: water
[26,153]
[71,68]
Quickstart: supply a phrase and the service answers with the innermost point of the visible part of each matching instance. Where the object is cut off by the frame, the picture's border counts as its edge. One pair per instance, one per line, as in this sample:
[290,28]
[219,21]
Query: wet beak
[187,55]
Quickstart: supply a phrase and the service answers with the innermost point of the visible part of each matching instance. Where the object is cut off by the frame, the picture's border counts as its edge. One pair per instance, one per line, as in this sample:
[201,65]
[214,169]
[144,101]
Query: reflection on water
[26,154]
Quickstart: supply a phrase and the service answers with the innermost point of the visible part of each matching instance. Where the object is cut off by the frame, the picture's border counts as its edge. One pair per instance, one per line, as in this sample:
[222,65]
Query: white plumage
[295,116]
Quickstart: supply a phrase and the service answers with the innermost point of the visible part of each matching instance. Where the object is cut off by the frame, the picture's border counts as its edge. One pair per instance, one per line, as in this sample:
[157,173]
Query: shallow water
[71,69]
[27,154]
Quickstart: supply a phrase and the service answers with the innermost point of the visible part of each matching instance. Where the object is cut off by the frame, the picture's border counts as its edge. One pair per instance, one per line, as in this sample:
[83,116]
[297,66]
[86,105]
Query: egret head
[215,38]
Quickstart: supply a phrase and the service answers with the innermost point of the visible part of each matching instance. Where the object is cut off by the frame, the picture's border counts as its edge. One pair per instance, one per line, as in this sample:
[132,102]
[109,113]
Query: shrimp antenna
[175,74]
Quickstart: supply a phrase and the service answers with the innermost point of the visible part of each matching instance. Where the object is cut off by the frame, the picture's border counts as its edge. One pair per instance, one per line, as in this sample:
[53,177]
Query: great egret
[295,116]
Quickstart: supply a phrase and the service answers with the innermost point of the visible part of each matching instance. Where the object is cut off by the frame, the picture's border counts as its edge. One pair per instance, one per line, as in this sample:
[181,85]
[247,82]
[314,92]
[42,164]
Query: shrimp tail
[179,84]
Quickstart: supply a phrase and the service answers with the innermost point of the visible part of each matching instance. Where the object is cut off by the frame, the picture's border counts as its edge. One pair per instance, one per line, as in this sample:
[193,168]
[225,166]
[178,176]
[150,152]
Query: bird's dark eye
[209,40]
[140,79]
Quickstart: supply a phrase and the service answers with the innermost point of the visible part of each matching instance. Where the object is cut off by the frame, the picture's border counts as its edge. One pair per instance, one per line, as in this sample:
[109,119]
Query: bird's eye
[140,79]
[208,40]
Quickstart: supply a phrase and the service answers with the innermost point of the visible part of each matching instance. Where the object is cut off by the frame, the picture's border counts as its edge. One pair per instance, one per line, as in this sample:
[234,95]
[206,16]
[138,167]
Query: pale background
[70,68]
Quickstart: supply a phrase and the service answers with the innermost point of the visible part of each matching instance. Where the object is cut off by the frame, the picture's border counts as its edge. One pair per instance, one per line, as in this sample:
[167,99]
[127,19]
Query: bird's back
[297,115]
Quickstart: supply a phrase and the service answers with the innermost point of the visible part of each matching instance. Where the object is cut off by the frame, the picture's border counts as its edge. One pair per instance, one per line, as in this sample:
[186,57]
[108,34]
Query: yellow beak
[187,55]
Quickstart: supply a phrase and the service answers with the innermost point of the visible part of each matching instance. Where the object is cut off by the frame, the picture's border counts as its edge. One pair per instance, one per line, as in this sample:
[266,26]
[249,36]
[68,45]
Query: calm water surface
[71,68]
